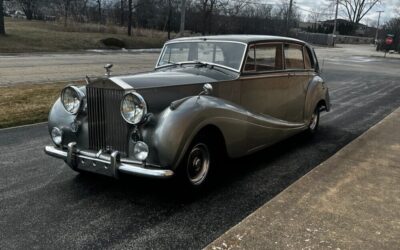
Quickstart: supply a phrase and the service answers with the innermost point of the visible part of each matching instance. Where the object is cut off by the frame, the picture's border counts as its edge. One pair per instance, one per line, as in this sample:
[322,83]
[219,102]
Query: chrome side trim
[116,163]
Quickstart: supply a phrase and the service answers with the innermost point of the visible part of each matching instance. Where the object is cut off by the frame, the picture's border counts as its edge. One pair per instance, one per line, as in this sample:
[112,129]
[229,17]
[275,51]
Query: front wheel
[314,121]
[196,167]
[198,164]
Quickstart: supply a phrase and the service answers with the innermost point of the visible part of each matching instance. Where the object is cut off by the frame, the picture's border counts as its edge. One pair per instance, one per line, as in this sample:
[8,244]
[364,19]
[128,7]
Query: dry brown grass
[40,36]
[27,103]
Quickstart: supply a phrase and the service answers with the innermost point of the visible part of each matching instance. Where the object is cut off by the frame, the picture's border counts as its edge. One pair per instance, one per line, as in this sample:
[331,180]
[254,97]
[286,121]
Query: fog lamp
[141,151]
[56,136]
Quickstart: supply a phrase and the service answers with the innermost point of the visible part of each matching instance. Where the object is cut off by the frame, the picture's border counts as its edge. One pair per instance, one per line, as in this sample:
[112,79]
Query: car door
[264,82]
[298,79]
[263,90]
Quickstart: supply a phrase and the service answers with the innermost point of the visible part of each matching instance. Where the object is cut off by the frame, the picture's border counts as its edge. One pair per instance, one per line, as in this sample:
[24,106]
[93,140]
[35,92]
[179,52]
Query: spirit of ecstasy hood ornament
[108,69]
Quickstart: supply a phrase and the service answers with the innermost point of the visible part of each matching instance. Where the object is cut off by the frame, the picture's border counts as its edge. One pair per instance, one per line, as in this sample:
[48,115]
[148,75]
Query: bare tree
[357,9]
[207,8]
[169,18]
[28,7]
[2,28]
[66,7]
[130,10]
[99,10]
[183,15]
[122,10]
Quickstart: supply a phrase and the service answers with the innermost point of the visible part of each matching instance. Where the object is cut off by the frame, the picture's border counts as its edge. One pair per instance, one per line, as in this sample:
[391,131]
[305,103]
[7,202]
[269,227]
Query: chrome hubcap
[198,164]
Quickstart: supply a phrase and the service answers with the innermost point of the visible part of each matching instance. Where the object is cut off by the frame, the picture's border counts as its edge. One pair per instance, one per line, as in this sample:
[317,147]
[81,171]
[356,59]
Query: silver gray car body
[247,110]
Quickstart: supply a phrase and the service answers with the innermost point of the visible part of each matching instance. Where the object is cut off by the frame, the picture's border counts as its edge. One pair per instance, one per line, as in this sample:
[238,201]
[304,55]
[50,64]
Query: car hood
[175,77]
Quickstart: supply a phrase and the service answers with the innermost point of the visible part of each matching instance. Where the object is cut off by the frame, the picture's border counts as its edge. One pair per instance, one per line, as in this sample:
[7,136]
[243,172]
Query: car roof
[240,38]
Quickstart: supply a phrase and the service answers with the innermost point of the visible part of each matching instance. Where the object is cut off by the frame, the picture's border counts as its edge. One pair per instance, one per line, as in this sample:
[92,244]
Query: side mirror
[207,89]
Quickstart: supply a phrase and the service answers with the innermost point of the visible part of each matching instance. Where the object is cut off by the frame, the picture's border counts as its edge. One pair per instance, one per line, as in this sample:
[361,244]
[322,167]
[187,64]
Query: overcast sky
[391,9]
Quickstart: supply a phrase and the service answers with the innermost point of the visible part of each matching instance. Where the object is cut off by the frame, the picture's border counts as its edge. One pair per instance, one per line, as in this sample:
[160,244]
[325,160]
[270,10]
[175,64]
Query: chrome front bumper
[103,163]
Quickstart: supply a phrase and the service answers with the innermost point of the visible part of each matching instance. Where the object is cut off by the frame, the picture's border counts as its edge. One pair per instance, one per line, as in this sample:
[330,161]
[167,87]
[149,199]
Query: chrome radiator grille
[107,128]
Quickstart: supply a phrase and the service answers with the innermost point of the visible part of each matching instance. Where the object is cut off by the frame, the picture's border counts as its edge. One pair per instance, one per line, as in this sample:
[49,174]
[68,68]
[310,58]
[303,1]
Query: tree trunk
[66,7]
[122,13]
[130,9]
[2,29]
[183,16]
[205,2]
[169,19]
[99,10]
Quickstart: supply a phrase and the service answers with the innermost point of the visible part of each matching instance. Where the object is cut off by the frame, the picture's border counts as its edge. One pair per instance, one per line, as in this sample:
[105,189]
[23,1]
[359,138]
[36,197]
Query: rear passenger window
[268,57]
[294,56]
[308,61]
[264,57]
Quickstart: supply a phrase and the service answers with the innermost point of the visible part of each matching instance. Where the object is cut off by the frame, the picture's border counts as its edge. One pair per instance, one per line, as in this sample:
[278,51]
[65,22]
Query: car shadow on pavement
[280,165]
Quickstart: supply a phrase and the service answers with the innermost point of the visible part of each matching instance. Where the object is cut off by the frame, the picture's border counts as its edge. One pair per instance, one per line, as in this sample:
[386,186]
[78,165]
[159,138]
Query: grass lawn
[27,103]
[40,36]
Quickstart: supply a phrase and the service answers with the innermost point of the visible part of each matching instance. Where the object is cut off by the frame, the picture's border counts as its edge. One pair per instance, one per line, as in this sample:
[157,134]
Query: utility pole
[377,27]
[335,24]
[183,13]
[288,17]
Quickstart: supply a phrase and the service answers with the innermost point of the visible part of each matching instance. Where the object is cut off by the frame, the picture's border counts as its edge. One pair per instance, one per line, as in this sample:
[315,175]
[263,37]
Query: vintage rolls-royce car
[207,97]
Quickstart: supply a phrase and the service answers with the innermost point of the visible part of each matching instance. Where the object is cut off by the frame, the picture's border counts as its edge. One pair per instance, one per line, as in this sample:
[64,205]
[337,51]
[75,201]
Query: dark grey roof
[240,38]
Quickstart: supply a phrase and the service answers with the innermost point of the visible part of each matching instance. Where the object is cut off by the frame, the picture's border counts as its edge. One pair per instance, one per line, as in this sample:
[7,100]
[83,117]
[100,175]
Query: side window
[264,57]
[294,56]
[308,59]
[268,57]
[250,65]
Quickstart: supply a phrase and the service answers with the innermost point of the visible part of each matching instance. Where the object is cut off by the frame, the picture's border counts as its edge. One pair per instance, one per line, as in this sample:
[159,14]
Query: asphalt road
[43,204]
[44,67]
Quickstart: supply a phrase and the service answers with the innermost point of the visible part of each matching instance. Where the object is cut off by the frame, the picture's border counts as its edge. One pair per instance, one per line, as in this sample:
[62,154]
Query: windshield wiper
[199,63]
[169,64]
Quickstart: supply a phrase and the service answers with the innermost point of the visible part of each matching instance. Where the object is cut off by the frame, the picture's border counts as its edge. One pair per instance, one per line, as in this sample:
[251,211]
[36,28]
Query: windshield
[228,54]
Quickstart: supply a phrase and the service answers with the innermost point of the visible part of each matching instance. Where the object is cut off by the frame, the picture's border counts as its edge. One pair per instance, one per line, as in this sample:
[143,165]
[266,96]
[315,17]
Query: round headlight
[56,136]
[71,98]
[133,108]
[141,151]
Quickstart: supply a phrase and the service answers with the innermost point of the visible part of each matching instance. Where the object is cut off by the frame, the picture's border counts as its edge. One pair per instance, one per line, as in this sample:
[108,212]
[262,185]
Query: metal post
[183,13]
[335,24]
[377,27]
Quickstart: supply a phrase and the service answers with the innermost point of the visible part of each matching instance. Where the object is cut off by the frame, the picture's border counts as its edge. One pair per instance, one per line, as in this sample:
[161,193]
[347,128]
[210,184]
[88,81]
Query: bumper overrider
[104,163]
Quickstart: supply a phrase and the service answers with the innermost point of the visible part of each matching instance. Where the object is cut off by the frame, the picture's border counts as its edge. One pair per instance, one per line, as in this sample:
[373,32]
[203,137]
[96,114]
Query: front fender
[176,128]
[59,117]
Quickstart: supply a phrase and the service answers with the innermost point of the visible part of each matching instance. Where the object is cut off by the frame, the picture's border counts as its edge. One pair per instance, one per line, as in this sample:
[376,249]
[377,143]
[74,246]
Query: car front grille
[107,128]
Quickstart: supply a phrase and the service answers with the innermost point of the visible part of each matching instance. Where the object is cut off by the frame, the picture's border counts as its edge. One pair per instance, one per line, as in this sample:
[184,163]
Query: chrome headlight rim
[142,103]
[80,95]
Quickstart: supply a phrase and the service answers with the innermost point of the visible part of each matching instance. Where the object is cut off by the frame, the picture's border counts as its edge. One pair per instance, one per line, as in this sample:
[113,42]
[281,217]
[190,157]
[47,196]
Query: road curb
[23,126]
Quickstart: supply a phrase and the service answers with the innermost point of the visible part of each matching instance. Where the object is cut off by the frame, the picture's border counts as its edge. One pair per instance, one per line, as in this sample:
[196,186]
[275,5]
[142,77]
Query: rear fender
[317,91]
